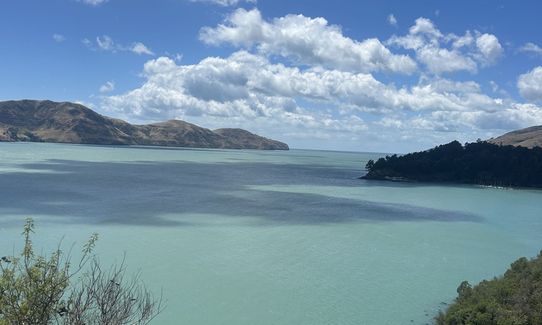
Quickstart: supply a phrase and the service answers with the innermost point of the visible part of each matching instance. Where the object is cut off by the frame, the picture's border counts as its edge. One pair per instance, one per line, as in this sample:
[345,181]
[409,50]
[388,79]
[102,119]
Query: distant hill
[474,163]
[529,137]
[65,122]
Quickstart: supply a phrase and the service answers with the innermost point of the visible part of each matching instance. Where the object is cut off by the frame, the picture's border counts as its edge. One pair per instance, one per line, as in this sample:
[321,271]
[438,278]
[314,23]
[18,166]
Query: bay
[267,237]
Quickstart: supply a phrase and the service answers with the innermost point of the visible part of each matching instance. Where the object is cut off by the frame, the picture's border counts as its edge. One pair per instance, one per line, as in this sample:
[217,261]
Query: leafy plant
[513,299]
[36,289]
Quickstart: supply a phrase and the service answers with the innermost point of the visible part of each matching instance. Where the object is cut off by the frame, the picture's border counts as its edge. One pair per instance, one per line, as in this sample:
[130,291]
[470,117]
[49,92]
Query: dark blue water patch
[140,193]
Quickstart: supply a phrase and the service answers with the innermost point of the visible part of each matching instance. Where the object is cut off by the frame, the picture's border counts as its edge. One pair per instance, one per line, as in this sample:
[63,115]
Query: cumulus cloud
[59,38]
[531,48]
[224,3]
[490,50]
[300,77]
[109,86]
[106,43]
[510,117]
[530,84]
[307,41]
[247,88]
[241,87]
[140,48]
[444,53]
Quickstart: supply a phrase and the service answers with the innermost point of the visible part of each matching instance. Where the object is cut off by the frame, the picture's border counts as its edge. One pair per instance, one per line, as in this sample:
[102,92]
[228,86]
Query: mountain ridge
[67,122]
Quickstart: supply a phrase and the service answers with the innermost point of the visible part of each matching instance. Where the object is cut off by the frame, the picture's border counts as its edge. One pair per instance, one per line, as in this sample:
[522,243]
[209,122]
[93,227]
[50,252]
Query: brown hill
[65,122]
[529,137]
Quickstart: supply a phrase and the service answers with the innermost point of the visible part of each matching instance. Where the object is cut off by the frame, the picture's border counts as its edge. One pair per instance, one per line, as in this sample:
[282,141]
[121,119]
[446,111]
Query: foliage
[36,289]
[513,299]
[474,163]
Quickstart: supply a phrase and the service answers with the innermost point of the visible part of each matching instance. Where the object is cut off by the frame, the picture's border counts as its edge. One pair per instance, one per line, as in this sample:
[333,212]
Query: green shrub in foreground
[41,290]
[512,299]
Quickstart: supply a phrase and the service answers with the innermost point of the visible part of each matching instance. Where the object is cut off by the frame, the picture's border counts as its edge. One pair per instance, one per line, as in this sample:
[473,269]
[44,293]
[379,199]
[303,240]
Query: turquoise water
[260,237]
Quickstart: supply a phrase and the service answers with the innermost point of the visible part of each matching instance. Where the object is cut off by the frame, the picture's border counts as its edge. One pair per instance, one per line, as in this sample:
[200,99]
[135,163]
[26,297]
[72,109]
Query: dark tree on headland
[474,163]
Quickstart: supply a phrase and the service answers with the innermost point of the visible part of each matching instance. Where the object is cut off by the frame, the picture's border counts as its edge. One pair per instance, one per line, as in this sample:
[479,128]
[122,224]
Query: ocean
[267,237]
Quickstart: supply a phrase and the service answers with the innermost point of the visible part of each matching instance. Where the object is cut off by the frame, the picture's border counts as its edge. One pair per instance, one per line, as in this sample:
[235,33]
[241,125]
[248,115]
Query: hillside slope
[529,137]
[65,122]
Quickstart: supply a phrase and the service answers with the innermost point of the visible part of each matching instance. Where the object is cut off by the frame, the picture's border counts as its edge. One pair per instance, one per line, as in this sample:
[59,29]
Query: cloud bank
[306,41]
[530,84]
[296,77]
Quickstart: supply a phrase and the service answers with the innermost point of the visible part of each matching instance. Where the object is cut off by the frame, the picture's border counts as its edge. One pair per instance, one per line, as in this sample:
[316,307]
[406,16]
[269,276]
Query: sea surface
[267,237]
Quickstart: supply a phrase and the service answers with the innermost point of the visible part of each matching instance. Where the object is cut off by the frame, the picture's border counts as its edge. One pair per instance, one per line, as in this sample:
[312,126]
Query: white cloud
[108,87]
[140,48]
[444,53]
[243,87]
[106,43]
[59,38]
[392,20]
[87,43]
[531,48]
[425,26]
[306,41]
[489,47]
[224,3]
[247,89]
[299,77]
[468,122]
[93,2]
[439,60]
[513,116]
[462,41]
[530,84]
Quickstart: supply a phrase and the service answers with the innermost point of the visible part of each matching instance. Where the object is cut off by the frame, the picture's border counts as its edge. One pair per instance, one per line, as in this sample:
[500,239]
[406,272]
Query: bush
[513,299]
[37,289]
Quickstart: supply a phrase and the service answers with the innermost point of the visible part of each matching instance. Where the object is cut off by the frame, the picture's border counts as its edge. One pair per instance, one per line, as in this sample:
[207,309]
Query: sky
[380,76]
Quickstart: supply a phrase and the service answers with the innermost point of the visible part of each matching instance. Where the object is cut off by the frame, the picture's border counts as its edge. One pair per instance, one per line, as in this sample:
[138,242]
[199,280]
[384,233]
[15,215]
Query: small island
[481,163]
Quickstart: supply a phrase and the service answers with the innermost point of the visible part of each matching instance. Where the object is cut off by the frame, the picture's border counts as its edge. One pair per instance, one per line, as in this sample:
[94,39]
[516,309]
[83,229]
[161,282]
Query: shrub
[36,289]
[513,299]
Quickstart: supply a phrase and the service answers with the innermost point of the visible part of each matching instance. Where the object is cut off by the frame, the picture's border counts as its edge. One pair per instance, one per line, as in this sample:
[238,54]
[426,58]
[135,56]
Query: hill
[529,137]
[65,122]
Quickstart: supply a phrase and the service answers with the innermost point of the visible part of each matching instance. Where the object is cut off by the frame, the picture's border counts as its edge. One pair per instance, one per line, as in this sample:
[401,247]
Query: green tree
[512,299]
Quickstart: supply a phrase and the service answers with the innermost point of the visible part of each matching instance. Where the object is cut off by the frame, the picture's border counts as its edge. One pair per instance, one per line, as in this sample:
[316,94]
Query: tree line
[473,163]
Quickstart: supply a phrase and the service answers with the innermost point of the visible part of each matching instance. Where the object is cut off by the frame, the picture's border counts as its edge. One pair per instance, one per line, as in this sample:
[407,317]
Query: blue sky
[388,76]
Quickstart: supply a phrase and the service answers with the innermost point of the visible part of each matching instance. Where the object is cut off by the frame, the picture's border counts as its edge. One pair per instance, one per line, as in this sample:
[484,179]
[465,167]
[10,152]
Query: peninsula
[66,122]
[481,162]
